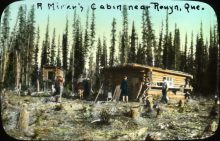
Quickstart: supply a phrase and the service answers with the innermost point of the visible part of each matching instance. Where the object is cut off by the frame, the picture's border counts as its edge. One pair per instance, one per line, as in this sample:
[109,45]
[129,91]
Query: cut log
[181,103]
[213,126]
[23,119]
[135,112]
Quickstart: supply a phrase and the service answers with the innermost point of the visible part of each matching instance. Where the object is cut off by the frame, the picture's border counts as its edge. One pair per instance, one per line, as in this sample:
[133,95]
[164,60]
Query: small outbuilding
[49,75]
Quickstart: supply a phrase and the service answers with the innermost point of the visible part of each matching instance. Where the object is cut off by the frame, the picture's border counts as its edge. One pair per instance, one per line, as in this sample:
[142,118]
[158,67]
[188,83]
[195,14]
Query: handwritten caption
[153,5]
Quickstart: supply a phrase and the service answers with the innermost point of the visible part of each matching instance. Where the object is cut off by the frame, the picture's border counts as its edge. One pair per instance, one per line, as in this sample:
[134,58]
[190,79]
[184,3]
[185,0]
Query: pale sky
[186,21]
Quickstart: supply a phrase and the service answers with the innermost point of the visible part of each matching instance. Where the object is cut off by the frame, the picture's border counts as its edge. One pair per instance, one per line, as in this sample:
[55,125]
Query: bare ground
[75,119]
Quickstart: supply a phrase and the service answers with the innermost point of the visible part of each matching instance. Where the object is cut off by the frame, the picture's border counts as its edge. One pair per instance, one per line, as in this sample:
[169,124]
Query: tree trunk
[4,63]
[38,85]
[18,69]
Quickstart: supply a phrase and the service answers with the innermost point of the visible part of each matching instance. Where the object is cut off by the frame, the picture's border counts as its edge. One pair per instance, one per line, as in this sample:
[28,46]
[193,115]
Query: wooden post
[139,91]
[117,93]
[98,93]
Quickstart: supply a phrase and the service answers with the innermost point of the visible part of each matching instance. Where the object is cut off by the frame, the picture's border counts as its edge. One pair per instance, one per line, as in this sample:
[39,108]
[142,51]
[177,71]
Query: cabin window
[50,75]
[169,81]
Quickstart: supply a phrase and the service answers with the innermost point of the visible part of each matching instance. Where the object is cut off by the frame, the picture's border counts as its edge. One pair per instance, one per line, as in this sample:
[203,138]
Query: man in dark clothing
[124,89]
[57,87]
[164,91]
[86,88]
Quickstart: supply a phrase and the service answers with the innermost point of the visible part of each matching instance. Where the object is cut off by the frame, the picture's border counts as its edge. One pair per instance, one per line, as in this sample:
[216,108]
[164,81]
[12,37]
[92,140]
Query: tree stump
[23,119]
[213,126]
[135,112]
[58,99]
[181,103]
[152,137]
[150,102]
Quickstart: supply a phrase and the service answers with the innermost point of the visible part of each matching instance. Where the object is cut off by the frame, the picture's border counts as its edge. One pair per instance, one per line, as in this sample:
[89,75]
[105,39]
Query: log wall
[113,77]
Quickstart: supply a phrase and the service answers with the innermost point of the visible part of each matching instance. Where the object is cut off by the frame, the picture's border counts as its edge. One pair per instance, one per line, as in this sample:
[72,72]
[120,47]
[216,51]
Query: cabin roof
[134,65]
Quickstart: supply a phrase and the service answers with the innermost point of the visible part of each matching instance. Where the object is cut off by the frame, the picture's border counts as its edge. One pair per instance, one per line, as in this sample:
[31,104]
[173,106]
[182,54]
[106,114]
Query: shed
[49,75]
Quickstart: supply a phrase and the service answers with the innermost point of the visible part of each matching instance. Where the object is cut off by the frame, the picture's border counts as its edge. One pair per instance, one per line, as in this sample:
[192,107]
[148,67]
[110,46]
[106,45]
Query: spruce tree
[65,47]
[132,51]
[124,39]
[92,41]
[185,56]
[53,47]
[158,50]
[199,65]
[191,57]
[79,60]
[104,54]
[58,59]
[30,29]
[113,44]
[176,45]
[19,51]
[170,52]
[98,56]
[144,38]
[86,35]
[149,39]
[45,57]
[140,55]
[35,73]
[4,43]
[165,45]
[98,61]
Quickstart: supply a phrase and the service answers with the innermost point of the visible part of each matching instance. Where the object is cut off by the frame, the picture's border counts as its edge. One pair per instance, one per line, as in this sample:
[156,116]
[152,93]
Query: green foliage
[103,58]
[53,46]
[45,56]
[78,52]
[105,116]
[65,47]
[132,51]
[58,107]
[158,49]
[113,46]
[124,37]
[176,50]
[140,55]
[58,62]
[165,45]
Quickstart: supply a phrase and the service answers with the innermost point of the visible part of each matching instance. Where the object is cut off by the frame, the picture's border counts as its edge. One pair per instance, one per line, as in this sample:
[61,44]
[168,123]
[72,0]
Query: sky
[186,14]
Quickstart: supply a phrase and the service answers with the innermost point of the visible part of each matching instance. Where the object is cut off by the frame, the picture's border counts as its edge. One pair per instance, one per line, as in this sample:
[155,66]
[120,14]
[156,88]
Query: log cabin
[178,82]
[49,75]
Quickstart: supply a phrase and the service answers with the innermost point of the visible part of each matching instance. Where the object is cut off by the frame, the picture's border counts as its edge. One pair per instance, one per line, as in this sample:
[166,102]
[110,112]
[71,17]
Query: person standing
[80,87]
[164,91]
[124,89]
[61,85]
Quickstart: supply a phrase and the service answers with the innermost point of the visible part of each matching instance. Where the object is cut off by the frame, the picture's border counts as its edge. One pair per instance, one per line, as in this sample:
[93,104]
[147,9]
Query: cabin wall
[47,84]
[114,78]
[177,80]
[47,71]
